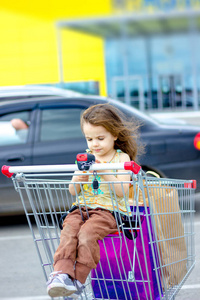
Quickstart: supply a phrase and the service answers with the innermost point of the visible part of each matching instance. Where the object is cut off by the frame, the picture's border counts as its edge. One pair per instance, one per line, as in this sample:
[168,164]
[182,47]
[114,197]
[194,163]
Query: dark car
[32,91]
[54,137]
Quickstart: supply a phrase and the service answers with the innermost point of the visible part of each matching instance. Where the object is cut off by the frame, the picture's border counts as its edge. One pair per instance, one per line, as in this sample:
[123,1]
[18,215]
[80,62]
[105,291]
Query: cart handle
[10,170]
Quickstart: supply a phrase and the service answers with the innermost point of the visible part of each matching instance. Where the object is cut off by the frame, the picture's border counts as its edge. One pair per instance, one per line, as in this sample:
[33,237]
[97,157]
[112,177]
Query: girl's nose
[95,143]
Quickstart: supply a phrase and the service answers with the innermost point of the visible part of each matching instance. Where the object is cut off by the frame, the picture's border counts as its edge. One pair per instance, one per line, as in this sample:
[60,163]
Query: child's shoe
[80,287]
[60,285]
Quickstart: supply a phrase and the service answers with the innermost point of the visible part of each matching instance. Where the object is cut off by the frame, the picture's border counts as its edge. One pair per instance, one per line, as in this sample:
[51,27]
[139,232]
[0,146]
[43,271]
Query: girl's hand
[101,171]
[82,178]
[77,179]
[97,161]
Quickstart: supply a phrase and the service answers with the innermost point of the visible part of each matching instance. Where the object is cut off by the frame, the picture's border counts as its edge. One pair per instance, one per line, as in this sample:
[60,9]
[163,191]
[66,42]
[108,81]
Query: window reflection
[14,128]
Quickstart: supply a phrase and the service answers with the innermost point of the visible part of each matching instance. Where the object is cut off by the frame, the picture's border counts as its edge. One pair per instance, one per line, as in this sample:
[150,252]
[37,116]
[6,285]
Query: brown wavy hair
[115,122]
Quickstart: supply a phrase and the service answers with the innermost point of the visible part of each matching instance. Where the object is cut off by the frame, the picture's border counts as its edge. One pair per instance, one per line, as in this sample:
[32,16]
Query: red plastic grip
[5,171]
[82,157]
[191,185]
[132,166]
[194,184]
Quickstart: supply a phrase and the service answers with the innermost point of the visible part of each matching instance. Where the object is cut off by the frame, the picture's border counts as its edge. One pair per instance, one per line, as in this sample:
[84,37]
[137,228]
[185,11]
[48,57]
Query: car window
[14,128]
[59,124]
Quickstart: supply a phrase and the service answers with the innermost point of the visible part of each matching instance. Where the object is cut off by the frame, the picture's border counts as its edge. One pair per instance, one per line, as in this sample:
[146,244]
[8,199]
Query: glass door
[129,90]
[171,91]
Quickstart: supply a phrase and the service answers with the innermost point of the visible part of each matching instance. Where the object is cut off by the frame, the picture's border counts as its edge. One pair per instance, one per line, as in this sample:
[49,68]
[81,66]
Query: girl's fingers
[83,178]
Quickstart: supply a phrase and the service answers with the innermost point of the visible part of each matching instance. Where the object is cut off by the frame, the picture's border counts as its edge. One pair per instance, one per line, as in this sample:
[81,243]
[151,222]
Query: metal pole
[125,64]
[149,71]
[193,38]
[59,49]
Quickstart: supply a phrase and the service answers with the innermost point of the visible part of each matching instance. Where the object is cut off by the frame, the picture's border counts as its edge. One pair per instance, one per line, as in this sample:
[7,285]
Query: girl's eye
[101,139]
[89,140]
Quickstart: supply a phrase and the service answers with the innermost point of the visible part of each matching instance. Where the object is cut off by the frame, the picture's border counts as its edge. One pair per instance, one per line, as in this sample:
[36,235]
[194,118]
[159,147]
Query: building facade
[151,52]
[143,52]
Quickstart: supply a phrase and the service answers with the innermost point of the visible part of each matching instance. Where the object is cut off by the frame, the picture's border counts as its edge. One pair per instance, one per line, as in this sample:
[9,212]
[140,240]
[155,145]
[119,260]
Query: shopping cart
[152,252]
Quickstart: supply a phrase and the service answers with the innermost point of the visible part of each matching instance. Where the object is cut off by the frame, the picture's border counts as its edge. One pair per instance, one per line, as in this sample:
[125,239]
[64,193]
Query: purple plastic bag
[112,277]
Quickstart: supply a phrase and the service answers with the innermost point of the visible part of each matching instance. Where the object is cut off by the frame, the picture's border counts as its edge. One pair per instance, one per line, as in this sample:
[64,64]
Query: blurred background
[142,52]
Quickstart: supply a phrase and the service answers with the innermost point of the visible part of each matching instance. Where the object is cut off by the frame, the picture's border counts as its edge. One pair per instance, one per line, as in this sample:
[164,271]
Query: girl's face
[99,140]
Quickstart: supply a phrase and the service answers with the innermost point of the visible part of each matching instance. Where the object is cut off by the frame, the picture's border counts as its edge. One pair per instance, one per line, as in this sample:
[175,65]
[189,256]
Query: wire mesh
[156,258]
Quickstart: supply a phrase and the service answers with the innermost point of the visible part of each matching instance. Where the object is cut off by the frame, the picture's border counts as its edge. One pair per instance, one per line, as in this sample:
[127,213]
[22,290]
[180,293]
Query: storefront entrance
[171,92]
[129,90]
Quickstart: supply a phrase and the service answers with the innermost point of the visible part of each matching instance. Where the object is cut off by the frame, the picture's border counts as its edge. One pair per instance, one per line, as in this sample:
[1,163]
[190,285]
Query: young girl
[111,139]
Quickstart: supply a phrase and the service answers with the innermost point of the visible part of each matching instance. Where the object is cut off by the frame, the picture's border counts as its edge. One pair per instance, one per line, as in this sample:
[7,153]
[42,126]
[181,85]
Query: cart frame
[156,203]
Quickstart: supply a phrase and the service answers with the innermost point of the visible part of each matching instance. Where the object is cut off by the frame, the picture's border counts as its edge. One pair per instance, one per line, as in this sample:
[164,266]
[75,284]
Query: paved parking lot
[21,275]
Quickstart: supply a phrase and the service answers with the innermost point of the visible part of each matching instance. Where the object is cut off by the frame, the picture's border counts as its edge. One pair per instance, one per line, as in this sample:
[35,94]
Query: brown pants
[79,251]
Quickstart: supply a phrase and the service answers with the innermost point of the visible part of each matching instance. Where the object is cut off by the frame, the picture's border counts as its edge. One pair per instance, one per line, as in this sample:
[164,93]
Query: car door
[15,149]
[59,137]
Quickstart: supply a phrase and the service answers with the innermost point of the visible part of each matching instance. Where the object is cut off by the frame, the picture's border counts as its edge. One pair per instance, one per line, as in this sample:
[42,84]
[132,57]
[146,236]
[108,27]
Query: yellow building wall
[83,58]
[28,44]
[28,53]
